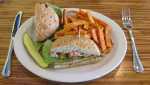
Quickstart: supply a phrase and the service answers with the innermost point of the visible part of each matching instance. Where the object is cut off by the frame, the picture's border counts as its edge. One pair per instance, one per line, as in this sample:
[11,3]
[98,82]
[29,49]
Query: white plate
[77,74]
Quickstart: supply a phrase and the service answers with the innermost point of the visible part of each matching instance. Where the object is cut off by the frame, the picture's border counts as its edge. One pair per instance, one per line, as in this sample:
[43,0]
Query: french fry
[71,33]
[90,18]
[82,15]
[72,19]
[82,31]
[100,22]
[106,51]
[59,34]
[83,12]
[101,38]
[94,35]
[86,26]
[108,39]
[69,26]
[61,18]
[87,35]
[69,20]
[64,17]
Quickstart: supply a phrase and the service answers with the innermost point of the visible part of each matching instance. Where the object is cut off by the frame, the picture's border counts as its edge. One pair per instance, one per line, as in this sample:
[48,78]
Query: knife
[6,71]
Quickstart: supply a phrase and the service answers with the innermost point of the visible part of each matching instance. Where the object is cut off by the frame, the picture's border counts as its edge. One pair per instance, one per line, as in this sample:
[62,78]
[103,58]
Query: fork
[128,24]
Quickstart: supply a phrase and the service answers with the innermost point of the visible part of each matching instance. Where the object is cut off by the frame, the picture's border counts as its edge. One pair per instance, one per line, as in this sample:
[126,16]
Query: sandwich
[46,21]
[76,50]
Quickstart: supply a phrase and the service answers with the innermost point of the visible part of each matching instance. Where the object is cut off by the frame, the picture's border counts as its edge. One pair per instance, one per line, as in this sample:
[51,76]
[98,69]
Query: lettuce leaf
[47,56]
[56,9]
[38,45]
[46,52]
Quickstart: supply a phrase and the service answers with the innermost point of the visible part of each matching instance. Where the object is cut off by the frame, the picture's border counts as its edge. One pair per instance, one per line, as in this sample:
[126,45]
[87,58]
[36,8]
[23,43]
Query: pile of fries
[83,24]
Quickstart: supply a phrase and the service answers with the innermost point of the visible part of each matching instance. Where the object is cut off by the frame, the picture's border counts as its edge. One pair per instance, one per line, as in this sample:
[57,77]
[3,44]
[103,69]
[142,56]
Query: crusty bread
[46,21]
[71,43]
[77,62]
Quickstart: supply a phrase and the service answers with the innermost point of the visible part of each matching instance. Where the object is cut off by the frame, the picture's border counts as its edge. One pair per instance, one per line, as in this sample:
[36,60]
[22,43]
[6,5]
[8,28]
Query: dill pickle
[30,47]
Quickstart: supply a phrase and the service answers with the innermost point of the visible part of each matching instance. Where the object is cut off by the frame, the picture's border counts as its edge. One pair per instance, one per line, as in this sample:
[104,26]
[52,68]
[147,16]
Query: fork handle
[137,64]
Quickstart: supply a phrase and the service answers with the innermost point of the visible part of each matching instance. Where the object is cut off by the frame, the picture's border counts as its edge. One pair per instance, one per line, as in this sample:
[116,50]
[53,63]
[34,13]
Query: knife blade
[7,66]
[16,23]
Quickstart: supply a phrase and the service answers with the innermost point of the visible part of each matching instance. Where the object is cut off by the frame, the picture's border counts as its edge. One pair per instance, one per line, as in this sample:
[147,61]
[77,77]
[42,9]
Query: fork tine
[129,14]
[126,14]
[123,14]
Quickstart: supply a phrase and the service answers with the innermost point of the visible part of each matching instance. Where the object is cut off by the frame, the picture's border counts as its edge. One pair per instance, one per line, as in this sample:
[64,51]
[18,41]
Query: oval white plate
[77,74]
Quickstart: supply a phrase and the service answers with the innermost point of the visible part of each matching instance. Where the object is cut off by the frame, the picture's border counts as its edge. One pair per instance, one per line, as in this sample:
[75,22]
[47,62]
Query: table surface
[123,75]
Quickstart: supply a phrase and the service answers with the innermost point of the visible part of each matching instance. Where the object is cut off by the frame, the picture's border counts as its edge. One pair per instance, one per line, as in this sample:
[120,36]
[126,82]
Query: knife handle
[7,66]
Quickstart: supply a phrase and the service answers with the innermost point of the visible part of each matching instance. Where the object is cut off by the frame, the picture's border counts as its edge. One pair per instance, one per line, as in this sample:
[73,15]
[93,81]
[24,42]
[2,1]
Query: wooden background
[123,75]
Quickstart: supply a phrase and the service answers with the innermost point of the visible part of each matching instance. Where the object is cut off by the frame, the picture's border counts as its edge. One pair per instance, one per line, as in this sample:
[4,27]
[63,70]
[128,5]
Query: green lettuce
[56,9]
[46,52]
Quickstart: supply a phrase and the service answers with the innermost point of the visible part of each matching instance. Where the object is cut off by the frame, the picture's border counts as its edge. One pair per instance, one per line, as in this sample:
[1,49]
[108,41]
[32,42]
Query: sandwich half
[77,50]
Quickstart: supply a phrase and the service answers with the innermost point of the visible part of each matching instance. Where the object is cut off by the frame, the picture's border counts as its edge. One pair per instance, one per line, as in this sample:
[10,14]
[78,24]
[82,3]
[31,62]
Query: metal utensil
[7,66]
[128,24]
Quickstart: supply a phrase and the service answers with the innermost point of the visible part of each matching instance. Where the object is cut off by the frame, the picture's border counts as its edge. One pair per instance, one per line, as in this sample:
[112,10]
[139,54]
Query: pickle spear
[30,47]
